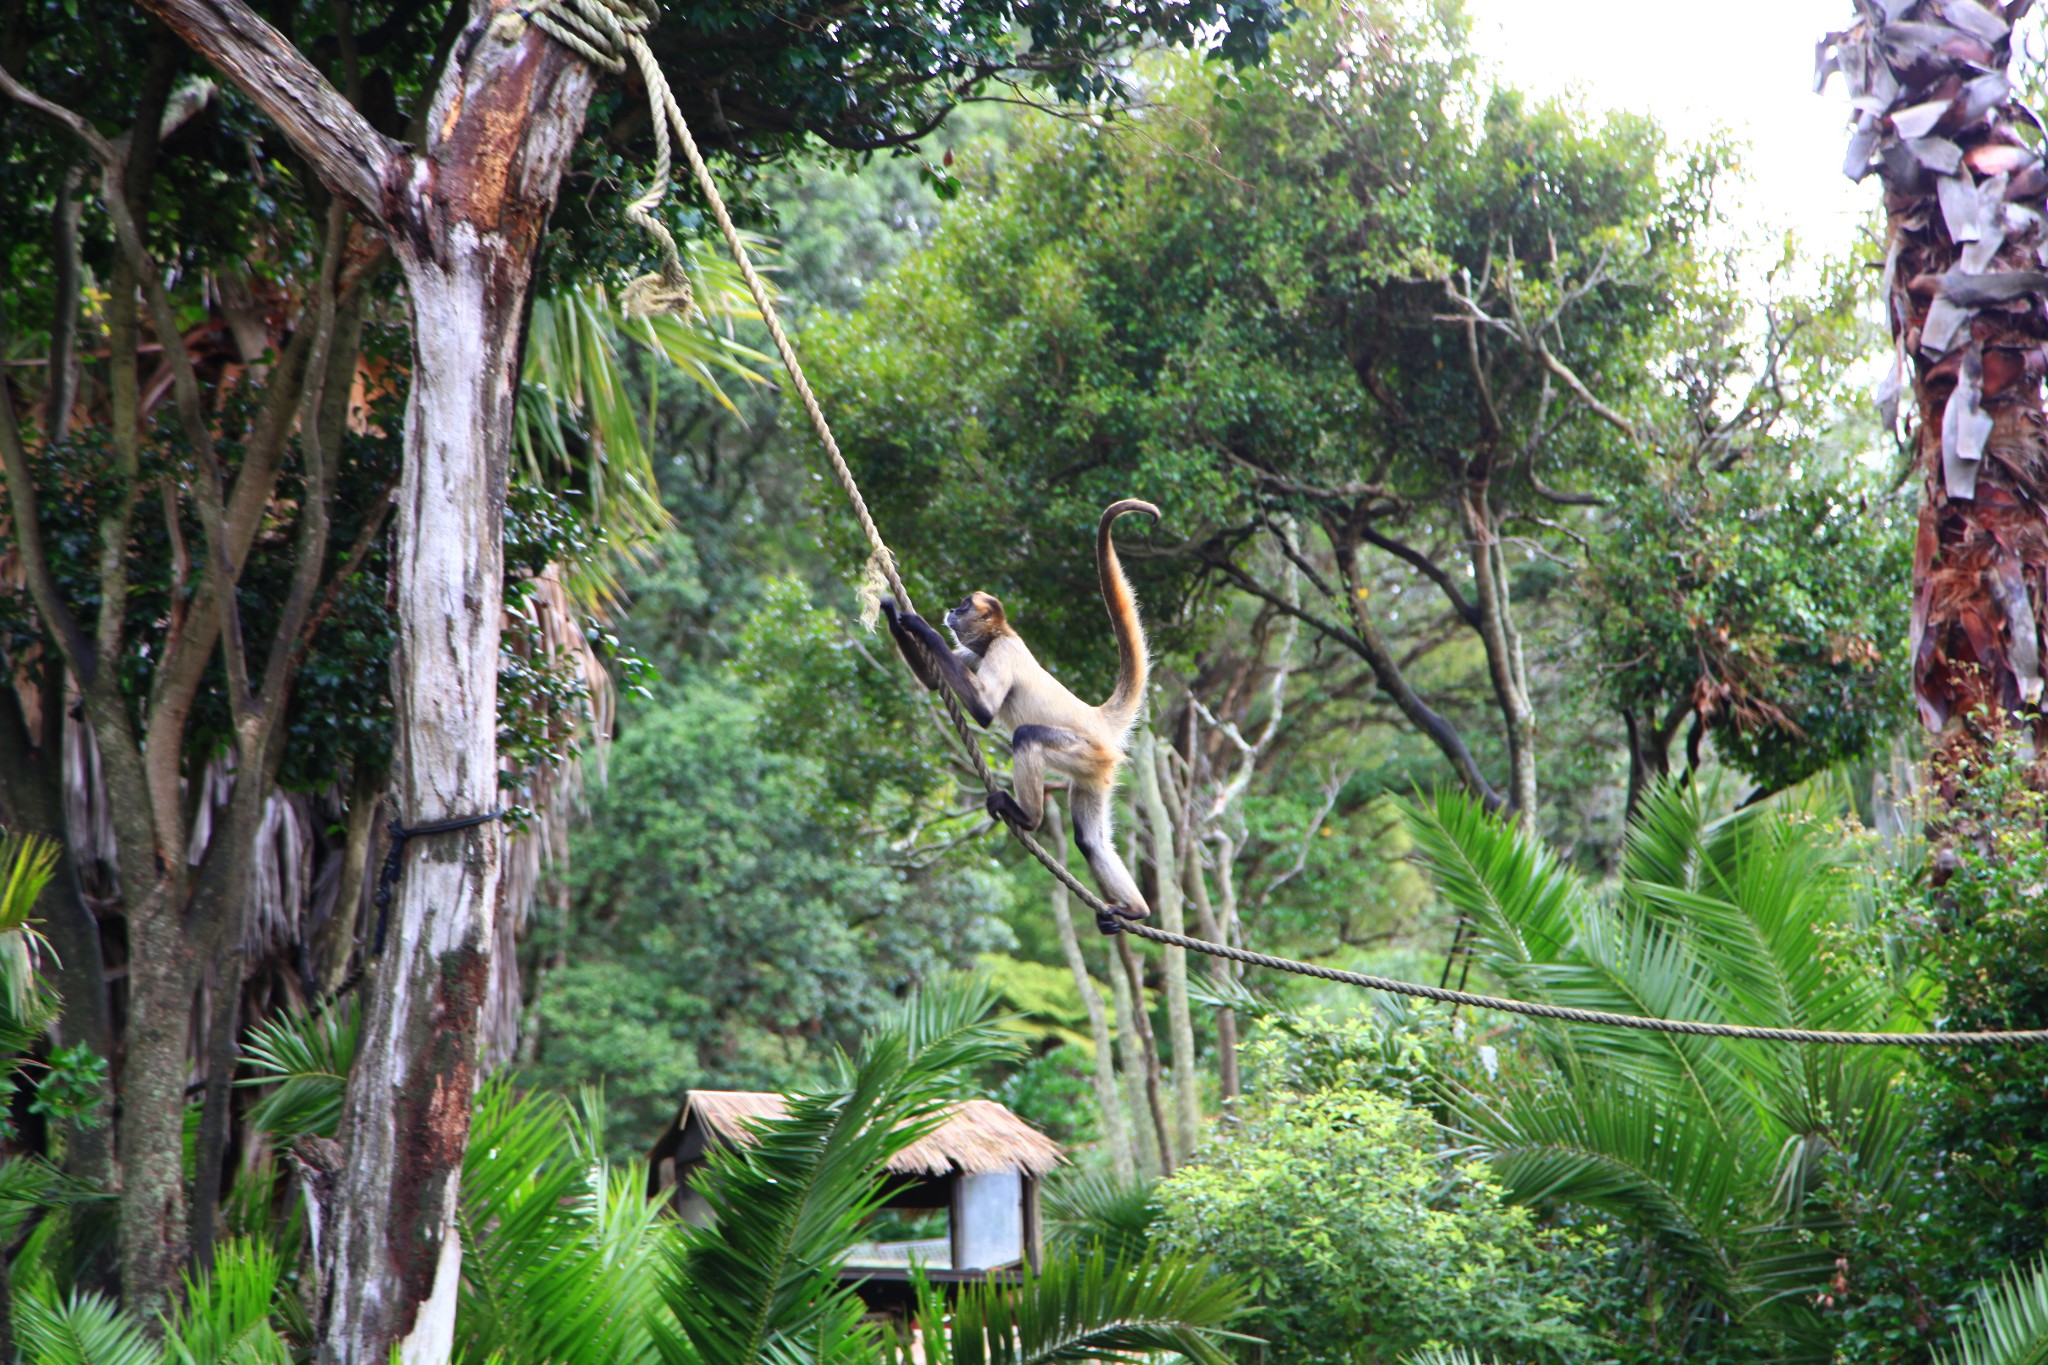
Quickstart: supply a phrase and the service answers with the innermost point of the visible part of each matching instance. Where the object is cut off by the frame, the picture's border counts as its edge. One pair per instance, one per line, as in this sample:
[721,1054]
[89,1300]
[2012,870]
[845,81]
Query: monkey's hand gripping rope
[609,34]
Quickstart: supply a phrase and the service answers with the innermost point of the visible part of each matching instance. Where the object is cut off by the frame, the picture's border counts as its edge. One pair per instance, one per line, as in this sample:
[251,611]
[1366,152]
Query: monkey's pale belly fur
[1035,697]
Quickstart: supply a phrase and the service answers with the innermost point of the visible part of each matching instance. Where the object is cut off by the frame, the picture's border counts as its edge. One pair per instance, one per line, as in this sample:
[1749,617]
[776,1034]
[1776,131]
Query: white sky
[1742,65]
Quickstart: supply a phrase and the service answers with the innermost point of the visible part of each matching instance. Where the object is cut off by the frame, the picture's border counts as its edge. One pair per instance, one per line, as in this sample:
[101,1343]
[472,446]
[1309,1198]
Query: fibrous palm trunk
[1964,292]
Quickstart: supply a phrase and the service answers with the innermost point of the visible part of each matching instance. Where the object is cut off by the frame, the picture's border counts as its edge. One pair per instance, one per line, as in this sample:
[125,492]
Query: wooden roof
[977,1137]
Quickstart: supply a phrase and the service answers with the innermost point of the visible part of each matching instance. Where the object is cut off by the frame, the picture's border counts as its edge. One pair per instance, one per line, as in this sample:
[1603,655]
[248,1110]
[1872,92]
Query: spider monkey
[996,678]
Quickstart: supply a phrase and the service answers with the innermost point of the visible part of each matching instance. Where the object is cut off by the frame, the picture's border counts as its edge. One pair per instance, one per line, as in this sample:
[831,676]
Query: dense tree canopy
[1356,318]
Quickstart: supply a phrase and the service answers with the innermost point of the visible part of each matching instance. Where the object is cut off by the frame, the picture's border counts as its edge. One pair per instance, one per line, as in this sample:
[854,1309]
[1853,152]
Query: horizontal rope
[611,31]
[1692,1028]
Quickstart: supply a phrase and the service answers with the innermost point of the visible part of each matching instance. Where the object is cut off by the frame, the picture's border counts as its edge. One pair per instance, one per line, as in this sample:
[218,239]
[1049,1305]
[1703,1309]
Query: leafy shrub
[1363,1240]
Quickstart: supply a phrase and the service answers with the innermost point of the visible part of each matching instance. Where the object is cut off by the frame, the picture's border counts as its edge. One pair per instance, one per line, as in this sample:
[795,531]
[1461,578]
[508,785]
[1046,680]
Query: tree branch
[1386,671]
[321,419]
[1584,394]
[64,310]
[1427,567]
[28,540]
[350,157]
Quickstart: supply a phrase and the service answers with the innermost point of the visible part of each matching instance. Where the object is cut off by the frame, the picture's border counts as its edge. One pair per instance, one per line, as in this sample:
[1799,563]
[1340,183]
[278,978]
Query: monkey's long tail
[1133,661]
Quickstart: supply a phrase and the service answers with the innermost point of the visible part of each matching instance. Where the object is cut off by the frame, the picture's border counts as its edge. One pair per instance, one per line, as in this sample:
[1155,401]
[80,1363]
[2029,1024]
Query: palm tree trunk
[1962,289]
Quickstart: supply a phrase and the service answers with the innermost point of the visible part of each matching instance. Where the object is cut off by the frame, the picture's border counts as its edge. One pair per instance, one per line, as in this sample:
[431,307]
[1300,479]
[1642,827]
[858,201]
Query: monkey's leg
[1088,801]
[1030,748]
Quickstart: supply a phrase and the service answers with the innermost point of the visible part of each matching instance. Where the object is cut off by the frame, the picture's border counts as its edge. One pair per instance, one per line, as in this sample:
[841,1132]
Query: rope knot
[609,34]
[658,293]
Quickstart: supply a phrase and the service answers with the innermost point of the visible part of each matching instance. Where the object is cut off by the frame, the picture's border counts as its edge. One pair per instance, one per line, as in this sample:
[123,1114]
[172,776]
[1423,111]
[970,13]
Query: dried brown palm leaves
[1966,197]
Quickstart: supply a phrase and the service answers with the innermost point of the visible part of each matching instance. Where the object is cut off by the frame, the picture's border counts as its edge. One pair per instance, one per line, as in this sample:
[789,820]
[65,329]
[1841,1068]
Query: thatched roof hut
[978,1137]
[981,1166]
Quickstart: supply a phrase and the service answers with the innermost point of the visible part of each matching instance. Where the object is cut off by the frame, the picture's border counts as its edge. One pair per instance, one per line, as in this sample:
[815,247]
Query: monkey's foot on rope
[1003,806]
[1111,919]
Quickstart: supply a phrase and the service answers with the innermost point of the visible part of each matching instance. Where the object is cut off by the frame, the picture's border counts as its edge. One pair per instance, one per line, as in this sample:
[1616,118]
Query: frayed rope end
[874,586]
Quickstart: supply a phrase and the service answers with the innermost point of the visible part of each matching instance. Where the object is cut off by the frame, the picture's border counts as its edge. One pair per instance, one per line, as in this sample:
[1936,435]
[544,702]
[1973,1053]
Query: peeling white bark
[472,211]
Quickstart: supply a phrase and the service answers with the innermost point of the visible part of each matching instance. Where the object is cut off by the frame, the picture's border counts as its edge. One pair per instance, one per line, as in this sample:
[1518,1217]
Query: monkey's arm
[910,647]
[918,640]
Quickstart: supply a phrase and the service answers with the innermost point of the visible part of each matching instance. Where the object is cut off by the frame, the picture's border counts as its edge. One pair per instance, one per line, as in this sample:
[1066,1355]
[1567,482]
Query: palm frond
[559,1251]
[1094,1308]
[1523,904]
[576,423]
[1451,1355]
[1663,841]
[1628,1154]
[950,1025]
[307,1056]
[85,1329]
[2010,1326]
[30,1187]
[1098,1212]
[27,863]
[841,1336]
[1767,890]
[226,1316]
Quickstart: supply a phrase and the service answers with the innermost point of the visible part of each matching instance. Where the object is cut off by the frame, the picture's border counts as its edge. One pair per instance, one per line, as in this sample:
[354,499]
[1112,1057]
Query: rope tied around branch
[609,33]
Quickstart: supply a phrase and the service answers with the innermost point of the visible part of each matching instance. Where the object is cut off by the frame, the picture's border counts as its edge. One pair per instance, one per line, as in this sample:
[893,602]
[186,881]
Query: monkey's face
[976,621]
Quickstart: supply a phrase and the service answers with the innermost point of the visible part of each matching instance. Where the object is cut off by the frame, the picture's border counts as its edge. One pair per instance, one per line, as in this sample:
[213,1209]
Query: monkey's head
[977,621]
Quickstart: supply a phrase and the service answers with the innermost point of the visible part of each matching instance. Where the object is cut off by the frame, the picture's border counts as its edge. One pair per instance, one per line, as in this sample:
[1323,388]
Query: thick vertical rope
[606,33]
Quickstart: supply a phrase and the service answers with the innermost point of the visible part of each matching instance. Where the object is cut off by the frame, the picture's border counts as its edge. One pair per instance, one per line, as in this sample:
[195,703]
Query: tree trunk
[1504,662]
[507,115]
[1228,1085]
[1115,1130]
[1961,291]
[1145,1135]
[150,1134]
[1148,1051]
[1180,1024]
[464,218]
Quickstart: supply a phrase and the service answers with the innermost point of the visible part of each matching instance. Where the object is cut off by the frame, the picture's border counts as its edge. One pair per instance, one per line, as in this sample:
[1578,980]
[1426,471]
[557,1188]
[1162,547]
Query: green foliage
[2011,1325]
[1774,594]
[841,699]
[73,1087]
[307,1057]
[1055,1093]
[1089,1307]
[1227,289]
[1977,917]
[725,931]
[1362,1239]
